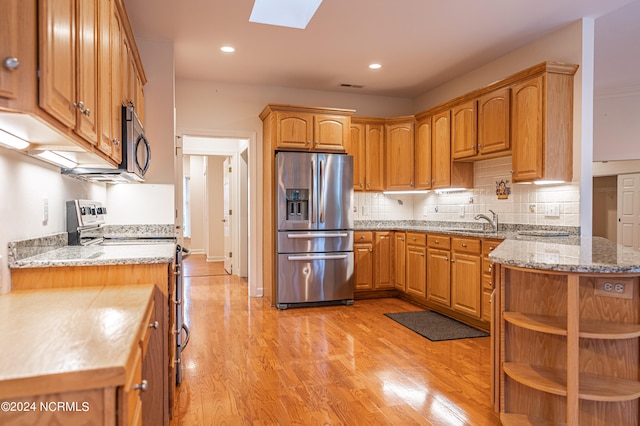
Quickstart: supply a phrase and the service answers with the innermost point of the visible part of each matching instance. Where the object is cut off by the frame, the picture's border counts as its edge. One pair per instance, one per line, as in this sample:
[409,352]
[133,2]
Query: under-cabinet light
[12,141]
[54,158]
[548,182]
[447,190]
[420,191]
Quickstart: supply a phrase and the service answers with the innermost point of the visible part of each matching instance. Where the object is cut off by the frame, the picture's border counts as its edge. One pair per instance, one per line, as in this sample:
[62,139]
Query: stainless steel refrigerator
[315,228]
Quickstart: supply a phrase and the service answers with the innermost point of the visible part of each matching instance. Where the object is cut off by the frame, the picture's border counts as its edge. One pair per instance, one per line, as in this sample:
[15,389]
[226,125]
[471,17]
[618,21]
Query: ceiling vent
[353,86]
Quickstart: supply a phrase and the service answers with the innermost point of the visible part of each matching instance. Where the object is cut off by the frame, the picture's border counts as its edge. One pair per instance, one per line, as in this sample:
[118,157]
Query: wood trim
[126,26]
[308,109]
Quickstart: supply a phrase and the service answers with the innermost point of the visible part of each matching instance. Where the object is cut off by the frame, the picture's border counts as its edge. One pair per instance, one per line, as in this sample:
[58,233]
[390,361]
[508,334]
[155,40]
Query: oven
[182,330]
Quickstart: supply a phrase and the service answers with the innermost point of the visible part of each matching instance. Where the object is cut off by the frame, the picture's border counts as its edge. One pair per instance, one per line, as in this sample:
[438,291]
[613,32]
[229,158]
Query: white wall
[197,165]
[133,204]
[24,183]
[616,125]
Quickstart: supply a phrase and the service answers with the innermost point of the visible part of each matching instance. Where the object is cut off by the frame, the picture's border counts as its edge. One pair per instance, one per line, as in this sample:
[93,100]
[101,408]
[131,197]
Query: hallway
[248,363]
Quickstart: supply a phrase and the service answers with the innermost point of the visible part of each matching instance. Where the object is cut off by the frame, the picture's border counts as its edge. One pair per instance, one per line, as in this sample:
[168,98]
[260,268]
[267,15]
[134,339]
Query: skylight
[284,13]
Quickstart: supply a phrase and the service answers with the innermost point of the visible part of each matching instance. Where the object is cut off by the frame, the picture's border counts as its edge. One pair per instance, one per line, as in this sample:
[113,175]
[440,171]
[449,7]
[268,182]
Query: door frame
[255,199]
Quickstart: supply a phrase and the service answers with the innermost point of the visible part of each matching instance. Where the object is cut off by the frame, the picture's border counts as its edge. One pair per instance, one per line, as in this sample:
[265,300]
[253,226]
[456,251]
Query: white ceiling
[420,43]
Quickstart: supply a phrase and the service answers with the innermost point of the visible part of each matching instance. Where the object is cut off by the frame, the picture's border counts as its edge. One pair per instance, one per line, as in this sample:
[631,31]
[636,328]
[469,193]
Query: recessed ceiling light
[375,66]
[227,49]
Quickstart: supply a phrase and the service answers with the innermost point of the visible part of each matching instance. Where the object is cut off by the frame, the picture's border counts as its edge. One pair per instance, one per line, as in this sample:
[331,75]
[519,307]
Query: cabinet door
[357,150]
[9,48]
[493,121]
[87,74]
[466,288]
[439,277]
[400,163]
[330,132]
[117,34]
[374,165]
[441,150]
[58,60]
[527,135]
[363,266]
[423,154]
[383,261]
[416,270]
[463,130]
[399,249]
[294,130]
[105,129]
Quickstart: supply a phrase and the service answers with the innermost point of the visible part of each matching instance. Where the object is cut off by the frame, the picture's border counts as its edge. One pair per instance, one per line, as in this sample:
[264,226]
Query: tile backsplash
[556,205]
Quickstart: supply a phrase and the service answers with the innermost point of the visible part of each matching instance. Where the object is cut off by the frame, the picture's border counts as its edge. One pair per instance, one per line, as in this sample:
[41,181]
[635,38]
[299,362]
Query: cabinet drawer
[487,266]
[439,241]
[467,245]
[489,245]
[362,237]
[416,239]
[487,283]
[132,404]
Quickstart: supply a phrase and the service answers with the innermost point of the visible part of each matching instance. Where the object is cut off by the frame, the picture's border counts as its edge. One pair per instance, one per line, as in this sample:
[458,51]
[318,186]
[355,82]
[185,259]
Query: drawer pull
[414,238]
[437,241]
[464,245]
[11,63]
[142,386]
[491,248]
[154,325]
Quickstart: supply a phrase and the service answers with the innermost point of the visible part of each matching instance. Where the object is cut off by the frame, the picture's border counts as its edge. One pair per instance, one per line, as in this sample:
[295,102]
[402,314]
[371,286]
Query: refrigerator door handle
[318,257]
[321,191]
[316,235]
[313,187]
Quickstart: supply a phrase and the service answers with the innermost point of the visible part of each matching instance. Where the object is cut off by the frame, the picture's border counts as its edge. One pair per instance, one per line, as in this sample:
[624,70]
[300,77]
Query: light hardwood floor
[249,363]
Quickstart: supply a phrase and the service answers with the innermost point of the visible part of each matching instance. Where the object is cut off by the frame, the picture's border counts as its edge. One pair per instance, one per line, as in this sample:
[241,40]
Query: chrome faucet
[493,221]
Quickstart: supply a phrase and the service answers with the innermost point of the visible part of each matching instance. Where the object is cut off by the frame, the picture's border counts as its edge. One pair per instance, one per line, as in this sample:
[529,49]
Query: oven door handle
[185,252]
[308,236]
[318,257]
[186,340]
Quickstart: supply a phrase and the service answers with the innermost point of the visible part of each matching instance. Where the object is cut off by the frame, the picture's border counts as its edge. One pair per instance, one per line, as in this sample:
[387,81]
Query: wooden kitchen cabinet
[542,125]
[68,64]
[446,173]
[400,145]
[423,159]
[383,255]
[10,52]
[367,149]
[488,282]
[303,129]
[439,269]
[416,264]
[400,250]
[463,130]
[363,260]
[466,270]
[494,123]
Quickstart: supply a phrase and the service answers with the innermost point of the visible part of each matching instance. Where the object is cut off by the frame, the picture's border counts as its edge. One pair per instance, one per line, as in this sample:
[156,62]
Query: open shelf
[592,387]
[589,329]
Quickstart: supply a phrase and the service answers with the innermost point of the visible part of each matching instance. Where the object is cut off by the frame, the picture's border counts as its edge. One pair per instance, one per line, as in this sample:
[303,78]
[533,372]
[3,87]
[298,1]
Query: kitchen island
[77,356]
[566,333]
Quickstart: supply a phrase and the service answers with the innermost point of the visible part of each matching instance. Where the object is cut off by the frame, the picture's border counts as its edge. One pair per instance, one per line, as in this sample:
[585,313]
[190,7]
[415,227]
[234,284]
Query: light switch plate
[552,210]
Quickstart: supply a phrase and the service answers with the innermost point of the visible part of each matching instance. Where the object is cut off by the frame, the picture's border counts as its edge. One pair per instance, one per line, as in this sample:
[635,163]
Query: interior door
[629,210]
[178,191]
[228,255]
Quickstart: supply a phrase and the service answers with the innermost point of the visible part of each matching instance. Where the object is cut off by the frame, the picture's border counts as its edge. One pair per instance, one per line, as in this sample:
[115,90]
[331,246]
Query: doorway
[215,200]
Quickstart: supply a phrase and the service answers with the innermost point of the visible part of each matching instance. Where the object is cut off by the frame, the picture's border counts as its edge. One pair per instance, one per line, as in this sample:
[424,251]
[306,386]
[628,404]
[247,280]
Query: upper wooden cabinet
[68,61]
[68,64]
[463,130]
[423,159]
[367,149]
[9,50]
[542,125]
[494,122]
[309,129]
[399,153]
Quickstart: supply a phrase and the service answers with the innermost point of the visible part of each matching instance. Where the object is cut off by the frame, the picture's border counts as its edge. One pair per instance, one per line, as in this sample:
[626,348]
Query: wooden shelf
[589,329]
[592,387]
[510,419]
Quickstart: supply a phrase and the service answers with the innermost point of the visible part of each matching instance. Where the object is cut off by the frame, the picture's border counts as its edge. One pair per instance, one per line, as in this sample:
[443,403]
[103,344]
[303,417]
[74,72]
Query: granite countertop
[69,338]
[592,254]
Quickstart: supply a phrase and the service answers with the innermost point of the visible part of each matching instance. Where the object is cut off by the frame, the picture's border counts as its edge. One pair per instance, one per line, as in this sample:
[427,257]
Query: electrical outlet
[461,211]
[552,210]
[45,209]
[621,288]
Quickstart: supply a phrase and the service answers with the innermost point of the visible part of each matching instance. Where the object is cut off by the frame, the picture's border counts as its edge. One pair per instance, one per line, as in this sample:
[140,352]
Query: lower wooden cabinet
[373,255]
[488,281]
[399,249]
[465,276]
[416,264]
[439,270]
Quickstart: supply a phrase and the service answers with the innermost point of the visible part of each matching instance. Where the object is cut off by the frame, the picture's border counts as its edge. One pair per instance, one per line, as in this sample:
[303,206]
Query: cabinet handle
[142,386]
[370,250]
[414,238]
[362,237]
[307,142]
[479,145]
[79,105]
[87,112]
[464,245]
[453,260]
[317,142]
[422,254]
[511,171]
[490,268]
[154,325]
[115,141]
[446,259]
[437,241]
[11,63]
